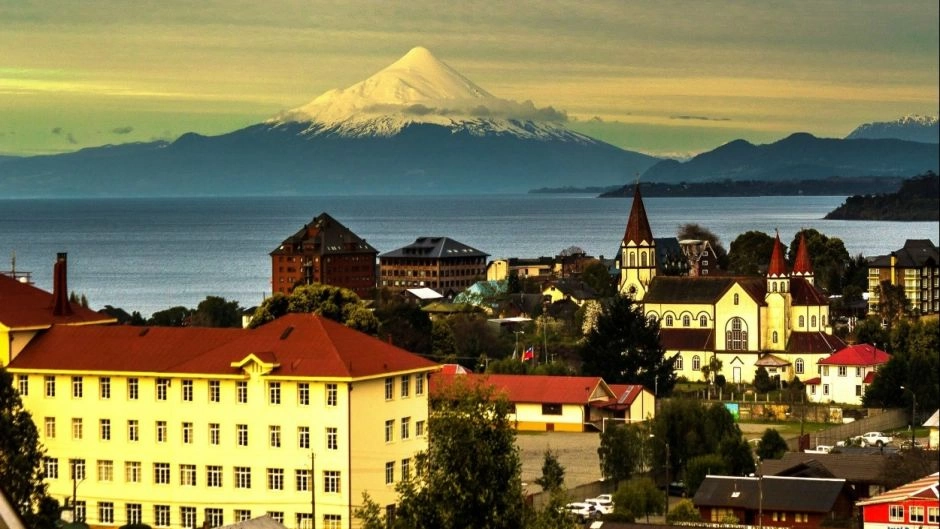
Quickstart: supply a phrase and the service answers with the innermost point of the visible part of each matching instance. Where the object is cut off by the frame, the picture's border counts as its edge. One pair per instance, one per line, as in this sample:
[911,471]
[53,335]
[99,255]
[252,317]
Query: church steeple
[802,266]
[778,280]
[637,260]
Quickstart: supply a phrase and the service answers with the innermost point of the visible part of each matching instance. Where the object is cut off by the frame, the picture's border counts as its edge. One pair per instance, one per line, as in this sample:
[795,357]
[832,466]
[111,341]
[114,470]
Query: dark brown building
[324,251]
[440,263]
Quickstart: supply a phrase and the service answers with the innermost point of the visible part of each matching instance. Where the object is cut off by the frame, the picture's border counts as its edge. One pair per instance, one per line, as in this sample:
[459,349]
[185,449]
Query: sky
[665,78]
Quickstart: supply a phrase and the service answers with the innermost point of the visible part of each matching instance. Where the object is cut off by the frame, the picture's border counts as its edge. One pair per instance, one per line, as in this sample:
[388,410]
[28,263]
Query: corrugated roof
[538,388]
[814,342]
[916,253]
[779,493]
[435,248]
[25,306]
[300,344]
[855,468]
[626,393]
[857,355]
[687,339]
[805,294]
[925,487]
[673,289]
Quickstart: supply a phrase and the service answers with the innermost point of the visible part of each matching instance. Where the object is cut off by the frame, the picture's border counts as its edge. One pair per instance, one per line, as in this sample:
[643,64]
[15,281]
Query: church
[780,321]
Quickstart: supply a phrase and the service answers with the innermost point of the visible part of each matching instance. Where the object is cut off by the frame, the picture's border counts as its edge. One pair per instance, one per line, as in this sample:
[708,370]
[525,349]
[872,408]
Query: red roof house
[916,504]
[844,375]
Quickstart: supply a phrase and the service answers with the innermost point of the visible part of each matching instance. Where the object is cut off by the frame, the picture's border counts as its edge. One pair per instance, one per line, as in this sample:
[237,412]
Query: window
[187,433]
[858,372]
[389,430]
[213,476]
[825,371]
[78,387]
[50,386]
[332,394]
[213,517]
[80,512]
[405,385]
[933,515]
[242,477]
[331,481]
[104,429]
[50,427]
[188,517]
[22,384]
[405,468]
[188,390]
[242,514]
[389,472]
[916,513]
[161,431]
[133,389]
[332,521]
[163,386]
[776,337]
[188,475]
[241,392]
[104,388]
[77,428]
[105,470]
[686,320]
[50,466]
[215,392]
[161,473]
[389,388]
[133,513]
[737,299]
[419,384]
[799,366]
[668,320]
[241,434]
[214,433]
[132,471]
[802,321]
[302,479]
[332,438]
[696,363]
[812,322]
[304,520]
[703,321]
[677,363]
[825,389]
[896,513]
[105,512]
[161,515]
[812,389]
[274,434]
[405,427]
[275,479]
[842,371]
[550,408]
[303,394]
[277,516]
[303,437]
[736,336]
[419,428]
[76,469]
[274,393]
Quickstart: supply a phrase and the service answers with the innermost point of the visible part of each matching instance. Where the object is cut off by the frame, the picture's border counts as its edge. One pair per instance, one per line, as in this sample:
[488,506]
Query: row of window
[404,386]
[214,436]
[842,371]
[915,514]
[162,389]
[213,516]
[404,430]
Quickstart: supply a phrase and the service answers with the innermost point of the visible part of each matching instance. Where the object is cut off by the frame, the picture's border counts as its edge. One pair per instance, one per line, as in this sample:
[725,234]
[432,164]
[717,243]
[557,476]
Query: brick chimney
[60,289]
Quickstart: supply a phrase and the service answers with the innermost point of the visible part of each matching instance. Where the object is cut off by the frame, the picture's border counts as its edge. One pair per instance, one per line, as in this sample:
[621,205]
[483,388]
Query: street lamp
[666,443]
[913,414]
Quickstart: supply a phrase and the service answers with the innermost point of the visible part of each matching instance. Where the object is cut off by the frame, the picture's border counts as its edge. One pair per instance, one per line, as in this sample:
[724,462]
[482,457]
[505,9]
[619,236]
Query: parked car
[874,439]
[820,449]
[605,497]
[602,506]
[907,444]
[581,511]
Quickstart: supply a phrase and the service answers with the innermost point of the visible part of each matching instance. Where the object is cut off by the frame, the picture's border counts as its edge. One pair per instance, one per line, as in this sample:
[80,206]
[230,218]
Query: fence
[877,421]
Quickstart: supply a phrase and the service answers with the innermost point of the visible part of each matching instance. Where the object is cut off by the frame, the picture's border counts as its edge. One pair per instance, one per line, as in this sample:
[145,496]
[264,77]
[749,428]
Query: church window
[696,363]
[775,286]
[823,320]
[737,299]
[737,335]
[802,322]
[632,259]
[812,322]
[668,320]
[703,321]
[678,363]
[643,259]
[686,321]
[775,338]
[798,366]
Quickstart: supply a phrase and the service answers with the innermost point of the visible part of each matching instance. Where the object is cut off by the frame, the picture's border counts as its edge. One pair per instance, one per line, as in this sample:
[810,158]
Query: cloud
[700,118]
[122,130]
[490,108]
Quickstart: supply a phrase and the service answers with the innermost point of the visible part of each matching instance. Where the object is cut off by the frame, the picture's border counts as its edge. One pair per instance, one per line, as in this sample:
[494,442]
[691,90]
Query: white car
[874,439]
[602,506]
[581,510]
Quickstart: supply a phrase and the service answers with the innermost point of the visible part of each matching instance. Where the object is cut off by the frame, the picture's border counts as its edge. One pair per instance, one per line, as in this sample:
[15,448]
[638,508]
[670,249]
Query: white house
[844,375]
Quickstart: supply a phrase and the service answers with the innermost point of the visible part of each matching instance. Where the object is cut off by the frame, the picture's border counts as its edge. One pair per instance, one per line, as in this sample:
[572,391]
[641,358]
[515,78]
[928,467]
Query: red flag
[529,354]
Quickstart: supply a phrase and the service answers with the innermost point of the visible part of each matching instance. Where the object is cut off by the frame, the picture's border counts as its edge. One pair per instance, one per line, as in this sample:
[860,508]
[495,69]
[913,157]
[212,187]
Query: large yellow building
[780,321]
[174,427]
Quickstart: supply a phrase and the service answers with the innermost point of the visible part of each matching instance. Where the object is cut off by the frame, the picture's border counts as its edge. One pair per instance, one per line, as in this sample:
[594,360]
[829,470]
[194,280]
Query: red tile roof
[25,306]
[300,345]
[778,267]
[626,393]
[869,378]
[687,339]
[815,381]
[857,355]
[802,264]
[638,225]
[805,294]
[537,388]
[923,488]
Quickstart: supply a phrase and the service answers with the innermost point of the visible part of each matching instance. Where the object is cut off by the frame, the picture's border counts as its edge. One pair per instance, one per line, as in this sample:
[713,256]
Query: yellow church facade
[779,322]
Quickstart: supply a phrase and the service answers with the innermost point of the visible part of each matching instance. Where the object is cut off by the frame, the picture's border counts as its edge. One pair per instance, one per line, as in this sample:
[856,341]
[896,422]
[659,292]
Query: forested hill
[917,200]
[832,186]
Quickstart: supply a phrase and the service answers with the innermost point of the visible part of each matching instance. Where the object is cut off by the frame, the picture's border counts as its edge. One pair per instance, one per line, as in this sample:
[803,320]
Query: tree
[640,496]
[21,459]
[906,466]
[442,341]
[771,445]
[915,365]
[369,513]
[469,477]
[696,231]
[750,253]
[870,331]
[829,257]
[406,324]
[762,381]
[622,451]
[553,474]
[701,466]
[711,370]
[597,276]
[215,311]
[893,304]
[624,348]
[171,317]
[336,303]
[684,511]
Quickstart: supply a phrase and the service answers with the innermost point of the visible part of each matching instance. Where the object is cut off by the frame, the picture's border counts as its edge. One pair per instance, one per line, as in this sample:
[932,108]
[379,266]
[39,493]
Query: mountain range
[420,127]
[925,129]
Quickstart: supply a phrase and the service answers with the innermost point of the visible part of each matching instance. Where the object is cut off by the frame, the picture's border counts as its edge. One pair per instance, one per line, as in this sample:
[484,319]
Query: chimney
[60,290]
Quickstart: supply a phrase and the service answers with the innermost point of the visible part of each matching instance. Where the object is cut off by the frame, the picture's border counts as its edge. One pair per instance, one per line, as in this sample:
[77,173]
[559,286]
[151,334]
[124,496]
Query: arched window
[802,322]
[812,322]
[632,258]
[643,259]
[736,335]
[775,337]
[696,363]
[737,299]
[686,321]
[678,364]
[798,365]
[775,286]
[823,317]
[703,321]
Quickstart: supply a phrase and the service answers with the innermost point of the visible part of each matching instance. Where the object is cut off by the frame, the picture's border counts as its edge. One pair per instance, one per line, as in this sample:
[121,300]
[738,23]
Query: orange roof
[857,355]
[638,225]
[626,393]
[802,264]
[778,267]
[295,344]
[25,306]
[538,388]
[923,488]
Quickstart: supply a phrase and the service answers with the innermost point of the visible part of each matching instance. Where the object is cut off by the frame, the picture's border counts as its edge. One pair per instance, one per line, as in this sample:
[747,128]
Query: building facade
[845,376]
[439,263]
[736,320]
[324,251]
[916,267]
[910,506]
[177,427]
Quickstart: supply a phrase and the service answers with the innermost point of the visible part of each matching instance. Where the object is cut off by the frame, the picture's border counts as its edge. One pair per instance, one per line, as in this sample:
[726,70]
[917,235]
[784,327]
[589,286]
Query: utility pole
[313,491]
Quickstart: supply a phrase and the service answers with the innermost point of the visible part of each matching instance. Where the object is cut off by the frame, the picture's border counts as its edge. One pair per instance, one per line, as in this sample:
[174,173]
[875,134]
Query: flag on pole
[529,354]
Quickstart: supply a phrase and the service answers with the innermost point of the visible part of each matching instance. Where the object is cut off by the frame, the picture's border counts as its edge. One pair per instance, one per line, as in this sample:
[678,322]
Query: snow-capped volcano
[420,89]
[913,127]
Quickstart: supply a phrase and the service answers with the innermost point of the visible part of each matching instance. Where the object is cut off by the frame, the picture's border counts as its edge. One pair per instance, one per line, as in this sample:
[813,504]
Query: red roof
[802,264]
[815,381]
[923,488]
[626,393]
[538,388]
[25,306]
[638,225]
[687,339]
[869,377]
[454,369]
[814,342]
[806,294]
[301,345]
[857,355]
[778,267]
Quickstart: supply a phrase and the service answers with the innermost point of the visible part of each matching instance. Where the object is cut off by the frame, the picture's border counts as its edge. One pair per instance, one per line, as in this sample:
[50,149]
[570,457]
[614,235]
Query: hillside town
[697,391]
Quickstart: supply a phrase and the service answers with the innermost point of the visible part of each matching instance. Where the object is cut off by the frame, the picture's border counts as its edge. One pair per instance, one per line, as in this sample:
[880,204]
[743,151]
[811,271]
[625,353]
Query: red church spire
[802,265]
[778,267]
[638,226]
